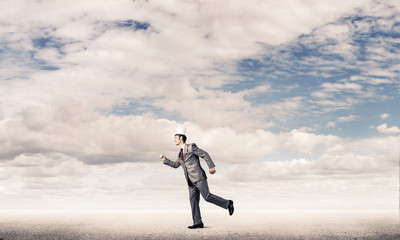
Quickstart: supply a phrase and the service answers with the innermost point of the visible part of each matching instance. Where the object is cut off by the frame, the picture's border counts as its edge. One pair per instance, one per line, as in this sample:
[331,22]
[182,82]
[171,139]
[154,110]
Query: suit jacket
[191,164]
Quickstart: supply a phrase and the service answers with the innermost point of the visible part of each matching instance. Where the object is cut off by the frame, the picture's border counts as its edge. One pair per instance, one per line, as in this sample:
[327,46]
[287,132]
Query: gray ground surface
[134,224]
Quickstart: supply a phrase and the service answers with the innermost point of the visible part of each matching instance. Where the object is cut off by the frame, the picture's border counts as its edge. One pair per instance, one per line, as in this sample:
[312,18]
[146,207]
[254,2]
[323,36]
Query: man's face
[177,140]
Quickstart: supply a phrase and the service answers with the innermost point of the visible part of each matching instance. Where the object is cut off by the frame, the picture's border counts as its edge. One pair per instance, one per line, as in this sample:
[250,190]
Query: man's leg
[205,192]
[194,196]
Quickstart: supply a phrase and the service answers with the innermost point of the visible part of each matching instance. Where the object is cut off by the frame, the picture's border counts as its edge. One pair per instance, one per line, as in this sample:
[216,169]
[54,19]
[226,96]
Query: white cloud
[372,146]
[95,45]
[349,118]
[304,142]
[331,124]
[384,129]
[231,147]
[72,127]
[337,87]
[344,166]
[384,116]
[75,129]
[257,90]
[334,180]
[372,80]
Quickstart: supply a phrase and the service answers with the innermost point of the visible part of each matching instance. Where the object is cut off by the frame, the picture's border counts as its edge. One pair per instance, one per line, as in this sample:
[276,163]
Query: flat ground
[245,224]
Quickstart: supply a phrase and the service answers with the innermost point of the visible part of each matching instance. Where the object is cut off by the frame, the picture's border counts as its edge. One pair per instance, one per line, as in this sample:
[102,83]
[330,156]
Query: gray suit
[197,179]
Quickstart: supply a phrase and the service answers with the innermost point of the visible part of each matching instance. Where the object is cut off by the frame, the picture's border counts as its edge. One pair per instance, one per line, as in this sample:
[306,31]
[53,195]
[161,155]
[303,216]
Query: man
[196,178]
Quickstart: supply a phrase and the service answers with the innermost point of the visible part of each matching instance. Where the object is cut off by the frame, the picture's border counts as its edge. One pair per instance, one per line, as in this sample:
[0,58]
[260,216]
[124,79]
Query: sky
[295,101]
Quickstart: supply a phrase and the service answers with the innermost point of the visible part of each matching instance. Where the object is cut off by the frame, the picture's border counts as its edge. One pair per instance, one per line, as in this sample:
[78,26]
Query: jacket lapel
[186,149]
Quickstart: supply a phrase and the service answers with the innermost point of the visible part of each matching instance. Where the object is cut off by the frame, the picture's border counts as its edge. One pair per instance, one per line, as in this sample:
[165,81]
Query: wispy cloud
[349,118]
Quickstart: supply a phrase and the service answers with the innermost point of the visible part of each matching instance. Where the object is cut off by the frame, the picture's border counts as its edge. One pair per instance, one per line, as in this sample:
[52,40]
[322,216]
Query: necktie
[181,154]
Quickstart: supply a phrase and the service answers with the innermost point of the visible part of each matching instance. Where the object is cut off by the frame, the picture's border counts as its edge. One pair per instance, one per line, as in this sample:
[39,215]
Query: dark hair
[183,137]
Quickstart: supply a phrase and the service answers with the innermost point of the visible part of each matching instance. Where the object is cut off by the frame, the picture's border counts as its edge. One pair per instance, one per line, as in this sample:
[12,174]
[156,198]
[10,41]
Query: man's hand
[212,170]
[162,156]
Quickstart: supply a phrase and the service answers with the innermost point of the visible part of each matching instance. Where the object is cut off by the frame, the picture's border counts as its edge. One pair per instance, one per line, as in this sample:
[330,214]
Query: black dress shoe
[201,225]
[230,207]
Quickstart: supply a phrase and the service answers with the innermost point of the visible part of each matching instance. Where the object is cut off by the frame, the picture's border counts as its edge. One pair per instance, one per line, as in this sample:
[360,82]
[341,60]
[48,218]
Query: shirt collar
[183,146]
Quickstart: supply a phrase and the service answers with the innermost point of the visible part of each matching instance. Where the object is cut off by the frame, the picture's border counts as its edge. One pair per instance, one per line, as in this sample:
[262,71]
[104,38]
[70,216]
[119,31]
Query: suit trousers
[194,195]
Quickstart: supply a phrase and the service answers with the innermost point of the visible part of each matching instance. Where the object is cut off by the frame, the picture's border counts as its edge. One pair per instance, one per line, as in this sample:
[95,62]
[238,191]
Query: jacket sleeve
[173,164]
[203,154]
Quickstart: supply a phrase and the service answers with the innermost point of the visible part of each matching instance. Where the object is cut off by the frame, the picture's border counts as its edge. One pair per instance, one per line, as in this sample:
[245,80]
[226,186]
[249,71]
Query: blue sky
[306,91]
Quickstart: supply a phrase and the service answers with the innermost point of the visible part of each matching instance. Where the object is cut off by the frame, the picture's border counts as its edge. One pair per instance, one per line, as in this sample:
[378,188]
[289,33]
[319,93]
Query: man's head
[180,136]
[180,139]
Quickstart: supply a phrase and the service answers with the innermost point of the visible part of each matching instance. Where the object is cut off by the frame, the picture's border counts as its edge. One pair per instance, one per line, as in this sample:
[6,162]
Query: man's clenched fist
[162,156]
